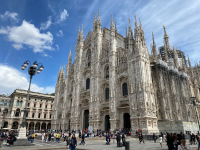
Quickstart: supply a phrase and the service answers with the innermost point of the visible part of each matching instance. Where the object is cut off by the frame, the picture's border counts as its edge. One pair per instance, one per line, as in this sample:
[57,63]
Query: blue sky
[45,30]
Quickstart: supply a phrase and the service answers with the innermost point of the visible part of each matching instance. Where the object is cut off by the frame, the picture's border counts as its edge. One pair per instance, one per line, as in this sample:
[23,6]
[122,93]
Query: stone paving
[92,145]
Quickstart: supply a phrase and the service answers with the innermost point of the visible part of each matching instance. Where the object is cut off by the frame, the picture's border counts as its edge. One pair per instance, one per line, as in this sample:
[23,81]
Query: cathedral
[115,83]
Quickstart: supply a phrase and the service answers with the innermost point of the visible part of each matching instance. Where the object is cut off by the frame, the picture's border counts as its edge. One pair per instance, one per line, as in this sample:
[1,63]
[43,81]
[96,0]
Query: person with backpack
[57,136]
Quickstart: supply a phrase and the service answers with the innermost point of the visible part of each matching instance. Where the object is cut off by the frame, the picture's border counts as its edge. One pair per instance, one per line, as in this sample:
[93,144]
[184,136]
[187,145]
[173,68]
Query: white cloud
[47,24]
[11,79]
[8,15]
[57,46]
[27,34]
[63,16]
[60,33]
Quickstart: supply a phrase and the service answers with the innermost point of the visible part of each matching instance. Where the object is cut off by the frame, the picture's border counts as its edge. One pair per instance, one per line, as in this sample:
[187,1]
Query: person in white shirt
[183,145]
[160,140]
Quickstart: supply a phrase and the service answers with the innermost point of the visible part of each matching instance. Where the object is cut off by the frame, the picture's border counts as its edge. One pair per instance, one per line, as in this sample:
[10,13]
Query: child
[160,140]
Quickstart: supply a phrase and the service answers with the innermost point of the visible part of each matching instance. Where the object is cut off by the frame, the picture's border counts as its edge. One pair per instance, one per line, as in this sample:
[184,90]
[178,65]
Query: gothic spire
[95,23]
[197,73]
[70,57]
[136,34]
[82,36]
[154,51]
[112,24]
[129,29]
[166,39]
[99,21]
[78,38]
[115,26]
[126,31]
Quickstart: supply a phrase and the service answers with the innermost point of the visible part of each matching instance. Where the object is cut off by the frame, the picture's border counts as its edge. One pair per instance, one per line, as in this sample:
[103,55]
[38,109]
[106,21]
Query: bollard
[127,145]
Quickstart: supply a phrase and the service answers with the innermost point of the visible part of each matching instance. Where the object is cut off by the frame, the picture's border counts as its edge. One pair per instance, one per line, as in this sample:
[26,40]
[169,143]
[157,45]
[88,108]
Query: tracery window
[107,93]
[88,83]
[125,89]
[107,72]
[17,112]
[50,116]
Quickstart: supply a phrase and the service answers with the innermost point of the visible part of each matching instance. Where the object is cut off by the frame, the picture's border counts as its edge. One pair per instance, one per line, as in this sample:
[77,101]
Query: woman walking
[43,135]
[73,143]
[160,140]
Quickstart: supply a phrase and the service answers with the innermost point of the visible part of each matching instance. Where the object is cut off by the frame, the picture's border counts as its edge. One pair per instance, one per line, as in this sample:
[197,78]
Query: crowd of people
[9,137]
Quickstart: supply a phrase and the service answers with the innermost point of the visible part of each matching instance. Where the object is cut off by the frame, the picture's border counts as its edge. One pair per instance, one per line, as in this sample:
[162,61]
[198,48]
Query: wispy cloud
[60,33]
[63,16]
[12,16]
[46,25]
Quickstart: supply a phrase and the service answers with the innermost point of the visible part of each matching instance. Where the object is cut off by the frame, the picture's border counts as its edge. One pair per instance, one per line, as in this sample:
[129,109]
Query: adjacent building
[115,83]
[39,110]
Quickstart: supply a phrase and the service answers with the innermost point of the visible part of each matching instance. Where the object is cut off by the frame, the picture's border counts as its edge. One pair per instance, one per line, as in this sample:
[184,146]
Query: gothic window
[17,112]
[107,93]
[89,58]
[107,72]
[20,103]
[33,115]
[44,115]
[51,106]
[39,115]
[2,101]
[125,89]
[87,83]
[17,104]
[5,103]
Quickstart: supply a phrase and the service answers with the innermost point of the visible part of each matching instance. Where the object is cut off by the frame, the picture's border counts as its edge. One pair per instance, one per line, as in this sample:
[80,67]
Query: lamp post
[31,71]
[193,99]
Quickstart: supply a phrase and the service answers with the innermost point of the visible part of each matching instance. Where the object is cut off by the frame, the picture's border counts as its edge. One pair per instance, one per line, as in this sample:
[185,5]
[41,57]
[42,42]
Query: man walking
[118,139]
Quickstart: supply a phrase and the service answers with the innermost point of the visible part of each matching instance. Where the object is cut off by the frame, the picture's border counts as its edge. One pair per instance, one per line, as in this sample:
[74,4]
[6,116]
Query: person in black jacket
[108,139]
[83,139]
[170,142]
[123,139]
[118,139]
[73,143]
[141,138]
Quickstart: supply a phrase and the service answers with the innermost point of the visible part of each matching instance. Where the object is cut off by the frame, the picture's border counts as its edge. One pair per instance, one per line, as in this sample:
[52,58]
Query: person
[73,143]
[49,137]
[118,139]
[192,138]
[161,140]
[198,141]
[30,138]
[33,136]
[123,139]
[65,136]
[43,135]
[107,139]
[183,145]
[170,142]
[113,137]
[154,138]
[52,137]
[57,136]
[141,138]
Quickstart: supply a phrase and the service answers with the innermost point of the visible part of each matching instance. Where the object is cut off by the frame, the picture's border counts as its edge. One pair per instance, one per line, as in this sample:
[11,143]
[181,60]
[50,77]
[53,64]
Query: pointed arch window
[107,72]
[125,89]
[89,58]
[107,93]
[88,83]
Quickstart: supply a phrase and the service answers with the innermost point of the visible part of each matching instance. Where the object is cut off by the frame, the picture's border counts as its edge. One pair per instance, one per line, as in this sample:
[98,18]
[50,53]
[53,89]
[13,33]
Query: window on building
[5,111]
[17,104]
[20,103]
[40,105]
[8,103]
[5,103]
[88,83]
[26,114]
[125,89]
[107,93]
[28,104]
[29,98]
[35,99]
[46,106]
[2,101]
[51,106]
[51,101]
[34,104]
[33,115]
[46,100]
[21,97]
[17,112]
[107,72]
[44,115]
[39,115]
[50,116]
[41,100]
[89,58]
[18,97]
[71,103]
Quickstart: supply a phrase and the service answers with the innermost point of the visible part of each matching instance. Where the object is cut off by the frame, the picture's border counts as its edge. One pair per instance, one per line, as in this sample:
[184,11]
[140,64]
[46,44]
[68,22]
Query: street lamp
[194,103]
[31,71]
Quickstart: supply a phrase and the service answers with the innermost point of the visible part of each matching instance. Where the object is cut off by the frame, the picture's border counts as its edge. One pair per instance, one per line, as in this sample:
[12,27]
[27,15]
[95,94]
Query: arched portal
[107,122]
[15,125]
[127,122]
[43,126]
[86,119]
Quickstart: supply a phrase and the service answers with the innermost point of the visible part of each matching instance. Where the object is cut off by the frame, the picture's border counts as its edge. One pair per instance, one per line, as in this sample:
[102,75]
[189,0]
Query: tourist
[30,138]
[46,136]
[192,138]
[198,141]
[49,137]
[107,139]
[83,139]
[57,137]
[33,136]
[175,141]
[52,137]
[43,135]
[161,140]
[73,143]
[65,136]
[113,137]
[183,145]
[118,139]
[170,142]
[154,138]
[141,138]
[123,139]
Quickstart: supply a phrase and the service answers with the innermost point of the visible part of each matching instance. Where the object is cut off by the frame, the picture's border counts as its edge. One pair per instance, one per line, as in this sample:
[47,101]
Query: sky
[44,30]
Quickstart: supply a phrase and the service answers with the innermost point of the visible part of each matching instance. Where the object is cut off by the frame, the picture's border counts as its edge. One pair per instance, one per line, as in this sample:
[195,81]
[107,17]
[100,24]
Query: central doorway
[127,122]
[107,122]
[86,119]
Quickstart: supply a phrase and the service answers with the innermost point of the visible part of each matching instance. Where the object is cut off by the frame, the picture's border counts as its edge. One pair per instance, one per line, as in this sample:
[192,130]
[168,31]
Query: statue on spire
[95,23]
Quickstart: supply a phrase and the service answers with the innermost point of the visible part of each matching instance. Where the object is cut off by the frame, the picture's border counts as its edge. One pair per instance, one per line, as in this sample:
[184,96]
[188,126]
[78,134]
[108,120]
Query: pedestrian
[123,139]
[33,136]
[141,138]
[198,141]
[161,140]
[175,141]
[43,135]
[192,138]
[65,136]
[113,137]
[57,136]
[30,138]
[107,139]
[170,142]
[73,143]
[52,137]
[49,137]
[83,139]
[154,138]
[118,139]
[183,145]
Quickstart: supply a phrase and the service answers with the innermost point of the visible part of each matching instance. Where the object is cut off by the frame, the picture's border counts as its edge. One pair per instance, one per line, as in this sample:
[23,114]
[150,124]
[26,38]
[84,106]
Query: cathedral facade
[115,83]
